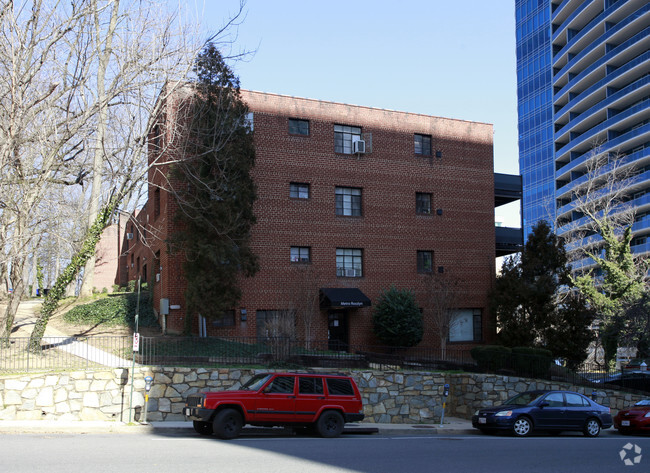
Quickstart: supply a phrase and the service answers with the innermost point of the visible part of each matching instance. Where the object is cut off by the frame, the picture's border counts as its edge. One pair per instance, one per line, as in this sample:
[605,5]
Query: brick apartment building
[351,200]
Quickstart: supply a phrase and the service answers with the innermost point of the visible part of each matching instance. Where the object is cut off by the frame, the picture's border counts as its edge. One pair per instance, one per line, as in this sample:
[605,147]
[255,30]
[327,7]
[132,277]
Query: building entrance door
[337,330]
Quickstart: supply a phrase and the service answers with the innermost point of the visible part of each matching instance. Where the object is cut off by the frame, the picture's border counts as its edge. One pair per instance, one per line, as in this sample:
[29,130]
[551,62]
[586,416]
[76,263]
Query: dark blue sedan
[551,411]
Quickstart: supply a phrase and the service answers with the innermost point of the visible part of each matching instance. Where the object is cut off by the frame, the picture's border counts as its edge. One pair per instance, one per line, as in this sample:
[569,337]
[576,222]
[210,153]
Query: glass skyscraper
[583,75]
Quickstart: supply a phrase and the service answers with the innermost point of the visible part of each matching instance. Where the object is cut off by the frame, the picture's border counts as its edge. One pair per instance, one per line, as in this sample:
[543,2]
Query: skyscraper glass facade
[583,70]
[534,93]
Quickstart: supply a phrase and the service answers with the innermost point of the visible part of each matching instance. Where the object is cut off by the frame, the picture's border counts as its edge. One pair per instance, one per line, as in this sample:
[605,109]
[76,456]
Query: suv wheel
[330,424]
[203,428]
[227,424]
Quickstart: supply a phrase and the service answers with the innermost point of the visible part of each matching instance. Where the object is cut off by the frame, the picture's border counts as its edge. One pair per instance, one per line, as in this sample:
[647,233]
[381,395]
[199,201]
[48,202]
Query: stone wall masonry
[397,397]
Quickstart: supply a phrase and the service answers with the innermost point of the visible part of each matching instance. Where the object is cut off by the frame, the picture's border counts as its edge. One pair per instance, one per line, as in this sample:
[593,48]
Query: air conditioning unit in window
[359,147]
[129,236]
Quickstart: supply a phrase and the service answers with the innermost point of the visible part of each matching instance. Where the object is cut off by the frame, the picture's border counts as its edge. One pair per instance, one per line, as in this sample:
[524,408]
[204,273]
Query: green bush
[397,320]
[113,311]
[491,357]
[531,362]
[130,287]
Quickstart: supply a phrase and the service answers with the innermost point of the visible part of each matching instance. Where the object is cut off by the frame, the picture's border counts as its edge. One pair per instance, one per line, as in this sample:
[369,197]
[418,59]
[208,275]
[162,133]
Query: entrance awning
[344,297]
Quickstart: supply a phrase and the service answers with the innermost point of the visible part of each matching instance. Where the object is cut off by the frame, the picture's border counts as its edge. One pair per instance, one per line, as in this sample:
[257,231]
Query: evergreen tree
[397,320]
[214,191]
[534,303]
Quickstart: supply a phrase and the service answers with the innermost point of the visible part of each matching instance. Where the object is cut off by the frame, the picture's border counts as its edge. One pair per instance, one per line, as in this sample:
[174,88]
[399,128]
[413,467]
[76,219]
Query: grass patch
[114,310]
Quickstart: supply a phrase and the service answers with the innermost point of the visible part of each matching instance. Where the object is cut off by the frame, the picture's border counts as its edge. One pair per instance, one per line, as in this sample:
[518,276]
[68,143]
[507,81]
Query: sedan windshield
[523,399]
[645,402]
[256,382]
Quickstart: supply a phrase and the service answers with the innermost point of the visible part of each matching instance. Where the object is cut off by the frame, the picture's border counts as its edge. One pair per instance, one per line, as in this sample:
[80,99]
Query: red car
[320,401]
[635,419]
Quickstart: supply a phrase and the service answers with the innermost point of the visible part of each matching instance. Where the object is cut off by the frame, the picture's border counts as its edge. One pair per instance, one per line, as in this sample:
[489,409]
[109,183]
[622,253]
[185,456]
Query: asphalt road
[54,453]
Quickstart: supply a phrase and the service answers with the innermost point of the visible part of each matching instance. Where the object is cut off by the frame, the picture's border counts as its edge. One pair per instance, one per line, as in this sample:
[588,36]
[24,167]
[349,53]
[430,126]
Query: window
[422,203]
[156,203]
[423,145]
[249,120]
[310,385]
[425,261]
[300,254]
[298,127]
[575,400]
[348,201]
[299,191]
[349,262]
[225,319]
[281,385]
[339,387]
[466,326]
[274,323]
[344,136]
[555,400]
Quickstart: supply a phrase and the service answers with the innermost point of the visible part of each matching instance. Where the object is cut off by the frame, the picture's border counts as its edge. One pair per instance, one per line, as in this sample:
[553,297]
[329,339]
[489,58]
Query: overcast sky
[452,59]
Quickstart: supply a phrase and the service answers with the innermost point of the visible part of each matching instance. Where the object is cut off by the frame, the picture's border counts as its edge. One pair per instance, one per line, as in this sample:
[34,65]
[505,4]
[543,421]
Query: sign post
[445,393]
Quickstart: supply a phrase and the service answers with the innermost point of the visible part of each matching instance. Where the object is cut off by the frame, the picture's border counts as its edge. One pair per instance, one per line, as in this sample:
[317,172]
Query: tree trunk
[98,159]
[18,286]
[57,292]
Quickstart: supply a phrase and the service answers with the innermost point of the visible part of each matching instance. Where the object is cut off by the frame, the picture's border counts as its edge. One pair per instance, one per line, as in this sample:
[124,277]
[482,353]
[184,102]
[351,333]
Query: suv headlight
[503,414]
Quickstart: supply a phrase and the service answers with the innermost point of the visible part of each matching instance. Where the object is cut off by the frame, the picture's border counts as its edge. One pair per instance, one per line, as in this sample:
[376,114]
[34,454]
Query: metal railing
[65,353]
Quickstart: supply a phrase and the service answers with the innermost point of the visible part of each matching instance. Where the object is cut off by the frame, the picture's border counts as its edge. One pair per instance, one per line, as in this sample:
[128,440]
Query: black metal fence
[290,352]
[71,353]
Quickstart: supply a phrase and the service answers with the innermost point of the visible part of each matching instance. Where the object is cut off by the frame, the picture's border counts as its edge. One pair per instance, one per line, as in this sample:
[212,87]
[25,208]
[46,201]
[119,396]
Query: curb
[102,427]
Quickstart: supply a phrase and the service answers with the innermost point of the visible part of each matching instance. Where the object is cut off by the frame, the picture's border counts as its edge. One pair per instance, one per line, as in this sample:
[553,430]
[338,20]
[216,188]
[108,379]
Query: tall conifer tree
[214,191]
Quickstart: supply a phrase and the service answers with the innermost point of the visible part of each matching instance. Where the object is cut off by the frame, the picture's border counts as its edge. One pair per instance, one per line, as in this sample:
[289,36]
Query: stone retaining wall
[389,397]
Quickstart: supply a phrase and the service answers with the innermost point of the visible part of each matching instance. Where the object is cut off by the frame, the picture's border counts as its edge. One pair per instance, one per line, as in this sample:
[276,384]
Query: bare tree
[441,299]
[306,299]
[601,230]
[80,84]
[600,203]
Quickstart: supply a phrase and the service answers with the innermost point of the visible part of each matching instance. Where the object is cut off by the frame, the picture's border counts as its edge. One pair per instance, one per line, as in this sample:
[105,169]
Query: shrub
[113,311]
[116,288]
[397,320]
[130,287]
[531,362]
[491,357]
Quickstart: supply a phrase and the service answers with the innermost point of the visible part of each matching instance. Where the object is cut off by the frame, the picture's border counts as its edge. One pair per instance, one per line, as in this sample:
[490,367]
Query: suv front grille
[194,401]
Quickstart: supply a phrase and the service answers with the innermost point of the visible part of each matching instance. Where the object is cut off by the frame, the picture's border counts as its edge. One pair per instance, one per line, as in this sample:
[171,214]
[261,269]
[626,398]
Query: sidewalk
[451,426]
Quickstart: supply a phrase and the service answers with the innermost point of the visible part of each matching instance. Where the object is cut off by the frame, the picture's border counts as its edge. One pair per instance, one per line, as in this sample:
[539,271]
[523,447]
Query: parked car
[634,419]
[321,402]
[551,411]
[639,380]
[637,364]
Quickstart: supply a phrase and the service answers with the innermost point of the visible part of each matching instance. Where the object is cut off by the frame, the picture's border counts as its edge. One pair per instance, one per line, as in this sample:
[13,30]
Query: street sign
[136,341]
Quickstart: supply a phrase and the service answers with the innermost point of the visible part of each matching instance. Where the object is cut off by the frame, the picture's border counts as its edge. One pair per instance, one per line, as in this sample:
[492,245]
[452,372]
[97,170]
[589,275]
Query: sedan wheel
[522,427]
[592,428]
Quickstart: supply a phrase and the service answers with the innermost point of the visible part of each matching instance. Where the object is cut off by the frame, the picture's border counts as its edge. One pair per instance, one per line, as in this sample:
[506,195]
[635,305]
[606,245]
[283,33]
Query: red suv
[322,401]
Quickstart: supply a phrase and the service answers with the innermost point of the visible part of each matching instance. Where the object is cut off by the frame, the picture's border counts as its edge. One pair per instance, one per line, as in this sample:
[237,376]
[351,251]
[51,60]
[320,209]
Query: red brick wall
[389,231]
